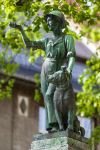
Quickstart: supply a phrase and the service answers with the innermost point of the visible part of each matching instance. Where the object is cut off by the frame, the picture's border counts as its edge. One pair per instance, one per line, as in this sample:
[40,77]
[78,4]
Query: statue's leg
[71,108]
[48,92]
[82,130]
[59,119]
[50,105]
[57,112]
[76,125]
[44,87]
[71,114]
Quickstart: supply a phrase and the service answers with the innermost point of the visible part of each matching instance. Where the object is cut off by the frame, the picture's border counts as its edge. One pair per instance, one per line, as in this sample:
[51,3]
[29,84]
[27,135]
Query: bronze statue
[64,103]
[64,99]
[56,72]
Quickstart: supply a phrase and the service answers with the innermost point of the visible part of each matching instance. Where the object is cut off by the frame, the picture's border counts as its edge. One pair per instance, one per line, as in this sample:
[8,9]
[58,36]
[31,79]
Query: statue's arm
[71,63]
[26,40]
[32,44]
[71,54]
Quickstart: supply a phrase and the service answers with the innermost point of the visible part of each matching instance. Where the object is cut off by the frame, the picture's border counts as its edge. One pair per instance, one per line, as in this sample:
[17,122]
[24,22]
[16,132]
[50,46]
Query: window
[23,104]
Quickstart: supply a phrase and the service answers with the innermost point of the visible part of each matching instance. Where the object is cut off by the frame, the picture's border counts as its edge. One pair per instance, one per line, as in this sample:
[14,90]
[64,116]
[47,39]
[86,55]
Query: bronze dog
[64,103]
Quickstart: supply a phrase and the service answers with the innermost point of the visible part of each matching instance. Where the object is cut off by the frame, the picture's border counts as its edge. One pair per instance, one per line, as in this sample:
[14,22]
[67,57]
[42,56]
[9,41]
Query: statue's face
[52,23]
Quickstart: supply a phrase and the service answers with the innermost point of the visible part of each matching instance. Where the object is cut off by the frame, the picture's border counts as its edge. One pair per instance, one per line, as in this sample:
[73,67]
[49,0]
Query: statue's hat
[59,15]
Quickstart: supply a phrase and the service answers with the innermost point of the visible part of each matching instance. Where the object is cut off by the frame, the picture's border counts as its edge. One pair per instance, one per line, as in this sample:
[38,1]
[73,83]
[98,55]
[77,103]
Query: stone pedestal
[59,141]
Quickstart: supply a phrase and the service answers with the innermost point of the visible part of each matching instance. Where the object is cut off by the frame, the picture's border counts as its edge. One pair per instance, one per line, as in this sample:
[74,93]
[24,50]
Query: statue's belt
[51,59]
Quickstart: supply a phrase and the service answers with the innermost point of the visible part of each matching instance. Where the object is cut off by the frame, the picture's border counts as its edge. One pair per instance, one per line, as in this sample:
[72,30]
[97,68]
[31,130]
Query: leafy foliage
[30,14]
[6,85]
[95,138]
[88,101]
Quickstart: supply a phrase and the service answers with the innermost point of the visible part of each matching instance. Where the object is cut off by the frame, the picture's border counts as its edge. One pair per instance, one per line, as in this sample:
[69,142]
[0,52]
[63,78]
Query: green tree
[88,100]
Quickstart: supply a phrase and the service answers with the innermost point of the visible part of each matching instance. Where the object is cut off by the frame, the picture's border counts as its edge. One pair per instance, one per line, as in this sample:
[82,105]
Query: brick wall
[16,130]
[5,125]
[24,126]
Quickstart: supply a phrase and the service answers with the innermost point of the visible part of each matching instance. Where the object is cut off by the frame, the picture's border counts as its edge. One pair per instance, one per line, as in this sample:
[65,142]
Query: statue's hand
[51,78]
[14,25]
[60,76]
[57,77]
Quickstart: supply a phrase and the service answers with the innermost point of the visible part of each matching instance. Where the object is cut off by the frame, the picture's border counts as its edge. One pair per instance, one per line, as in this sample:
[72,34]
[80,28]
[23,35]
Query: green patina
[56,72]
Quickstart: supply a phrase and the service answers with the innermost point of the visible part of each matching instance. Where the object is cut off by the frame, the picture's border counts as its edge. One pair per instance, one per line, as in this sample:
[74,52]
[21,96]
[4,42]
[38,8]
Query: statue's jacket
[57,52]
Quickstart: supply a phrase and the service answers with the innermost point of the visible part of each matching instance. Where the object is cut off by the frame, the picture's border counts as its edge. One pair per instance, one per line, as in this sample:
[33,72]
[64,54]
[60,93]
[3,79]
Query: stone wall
[5,125]
[24,126]
[16,128]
